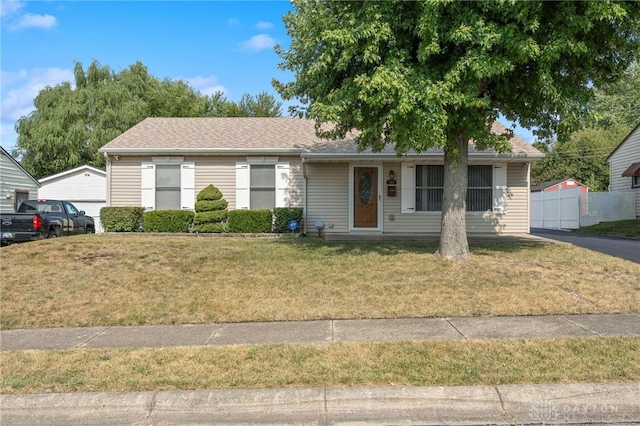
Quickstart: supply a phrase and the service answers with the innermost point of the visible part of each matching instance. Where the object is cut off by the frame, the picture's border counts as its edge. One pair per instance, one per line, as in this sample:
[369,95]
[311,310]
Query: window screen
[430,187]
[167,187]
[262,191]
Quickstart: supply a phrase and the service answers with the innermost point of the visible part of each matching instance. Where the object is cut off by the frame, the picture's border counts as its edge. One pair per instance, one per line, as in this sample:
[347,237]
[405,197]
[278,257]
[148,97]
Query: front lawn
[621,228]
[103,280]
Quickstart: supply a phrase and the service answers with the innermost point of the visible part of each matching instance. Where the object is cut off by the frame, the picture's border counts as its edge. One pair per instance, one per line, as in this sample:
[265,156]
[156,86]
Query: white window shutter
[408,188]
[282,184]
[500,188]
[188,185]
[242,185]
[148,187]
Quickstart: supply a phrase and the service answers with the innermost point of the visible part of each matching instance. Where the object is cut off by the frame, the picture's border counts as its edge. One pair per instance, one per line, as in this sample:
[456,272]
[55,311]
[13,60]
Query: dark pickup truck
[37,219]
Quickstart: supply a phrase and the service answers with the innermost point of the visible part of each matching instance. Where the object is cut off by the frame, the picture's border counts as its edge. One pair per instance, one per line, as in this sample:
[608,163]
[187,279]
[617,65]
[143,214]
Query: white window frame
[408,189]
[187,182]
[243,181]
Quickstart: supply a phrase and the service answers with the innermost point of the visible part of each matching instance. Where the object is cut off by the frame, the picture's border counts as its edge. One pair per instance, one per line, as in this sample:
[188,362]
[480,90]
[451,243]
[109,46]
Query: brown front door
[365,203]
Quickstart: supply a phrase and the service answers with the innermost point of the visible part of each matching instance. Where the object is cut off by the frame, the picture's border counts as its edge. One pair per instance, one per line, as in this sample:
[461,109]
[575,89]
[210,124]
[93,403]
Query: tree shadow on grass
[390,248]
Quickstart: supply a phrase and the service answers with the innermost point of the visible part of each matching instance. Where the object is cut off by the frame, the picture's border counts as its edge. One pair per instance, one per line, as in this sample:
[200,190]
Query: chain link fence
[596,207]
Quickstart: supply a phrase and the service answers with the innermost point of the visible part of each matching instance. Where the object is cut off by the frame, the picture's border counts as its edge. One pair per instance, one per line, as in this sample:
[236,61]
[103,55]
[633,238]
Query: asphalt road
[626,248]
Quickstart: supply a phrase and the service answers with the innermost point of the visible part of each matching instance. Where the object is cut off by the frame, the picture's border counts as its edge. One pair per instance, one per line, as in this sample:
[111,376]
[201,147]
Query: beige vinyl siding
[626,154]
[126,178]
[514,221]
[126,181]
[328,197]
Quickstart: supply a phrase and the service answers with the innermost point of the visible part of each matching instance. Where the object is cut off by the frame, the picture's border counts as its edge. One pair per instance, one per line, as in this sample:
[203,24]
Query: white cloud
[10,7]
[30,20]
[262,25]
[233,21]
[258,42]
[18,93]
[206,85]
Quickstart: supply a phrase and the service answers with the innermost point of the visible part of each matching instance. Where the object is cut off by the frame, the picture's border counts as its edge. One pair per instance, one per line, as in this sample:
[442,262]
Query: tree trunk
[453,231]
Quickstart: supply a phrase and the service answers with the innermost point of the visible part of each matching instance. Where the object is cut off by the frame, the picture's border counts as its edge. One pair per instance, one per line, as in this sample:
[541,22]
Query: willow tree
[437,74]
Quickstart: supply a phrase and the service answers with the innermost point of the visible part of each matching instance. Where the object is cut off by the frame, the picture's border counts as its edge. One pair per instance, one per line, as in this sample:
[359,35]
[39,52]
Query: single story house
[162,163]
[16,184]
[84,186]
[560,184]
[624,166]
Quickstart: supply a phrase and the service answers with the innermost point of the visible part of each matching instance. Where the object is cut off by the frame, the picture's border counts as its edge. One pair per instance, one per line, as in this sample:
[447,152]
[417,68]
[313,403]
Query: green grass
[621,228]
[108,280]
[443,363]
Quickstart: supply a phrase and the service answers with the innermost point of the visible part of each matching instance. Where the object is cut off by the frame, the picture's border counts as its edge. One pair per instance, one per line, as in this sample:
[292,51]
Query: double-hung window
[167,187]
[168,183]
[429,188]
[262,183]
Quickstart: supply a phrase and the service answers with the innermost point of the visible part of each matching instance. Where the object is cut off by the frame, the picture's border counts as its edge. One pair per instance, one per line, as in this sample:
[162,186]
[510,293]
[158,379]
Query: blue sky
[213,45]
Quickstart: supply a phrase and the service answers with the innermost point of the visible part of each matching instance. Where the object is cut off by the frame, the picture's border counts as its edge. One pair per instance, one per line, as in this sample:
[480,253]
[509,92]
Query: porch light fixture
[391,175]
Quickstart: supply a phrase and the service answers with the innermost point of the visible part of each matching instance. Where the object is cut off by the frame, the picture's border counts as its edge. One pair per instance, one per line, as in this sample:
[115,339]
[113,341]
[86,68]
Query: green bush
[250,221]
[210,217]
[210,193]
[209,205]
[282,216]
[168,220]
[122,219]
[210,228]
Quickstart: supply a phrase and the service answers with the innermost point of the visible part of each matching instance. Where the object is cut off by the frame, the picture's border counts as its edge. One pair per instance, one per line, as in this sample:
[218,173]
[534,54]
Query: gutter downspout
[529,197]
[108,164]
[304,196]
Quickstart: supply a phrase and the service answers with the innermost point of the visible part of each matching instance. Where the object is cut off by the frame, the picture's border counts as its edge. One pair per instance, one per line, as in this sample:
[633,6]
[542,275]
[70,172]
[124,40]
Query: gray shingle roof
[247,133]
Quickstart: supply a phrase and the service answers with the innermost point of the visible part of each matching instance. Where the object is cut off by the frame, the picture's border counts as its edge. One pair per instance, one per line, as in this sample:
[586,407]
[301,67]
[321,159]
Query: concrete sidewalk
[324,331]
[572,404]
[611,403]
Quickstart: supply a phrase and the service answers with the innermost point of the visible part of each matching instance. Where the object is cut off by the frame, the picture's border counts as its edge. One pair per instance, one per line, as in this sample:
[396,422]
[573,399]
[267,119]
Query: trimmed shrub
[282,216]
[210,193]
[211,205]
[122,219]
[210,228]
[210,217]
[168,220]
[211,211]
[250,221]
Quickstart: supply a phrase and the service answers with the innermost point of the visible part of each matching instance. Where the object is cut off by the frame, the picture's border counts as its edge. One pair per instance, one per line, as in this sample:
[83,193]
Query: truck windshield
[33,206]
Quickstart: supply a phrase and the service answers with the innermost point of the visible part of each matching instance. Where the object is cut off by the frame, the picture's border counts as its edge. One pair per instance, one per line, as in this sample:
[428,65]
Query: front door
[365,203]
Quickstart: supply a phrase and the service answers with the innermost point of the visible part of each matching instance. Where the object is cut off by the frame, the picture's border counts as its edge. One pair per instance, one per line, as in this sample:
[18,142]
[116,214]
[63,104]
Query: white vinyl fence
[570,209]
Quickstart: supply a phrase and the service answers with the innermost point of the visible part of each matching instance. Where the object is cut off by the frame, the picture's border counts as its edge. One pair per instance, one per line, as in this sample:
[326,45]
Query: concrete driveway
[626,248]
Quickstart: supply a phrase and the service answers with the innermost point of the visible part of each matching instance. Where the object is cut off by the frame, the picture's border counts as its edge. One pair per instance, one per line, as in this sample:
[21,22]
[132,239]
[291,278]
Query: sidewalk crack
[581,326]
[326,409]
[505,413]
[152,406]
[214,335]
[456,328]
[98,334]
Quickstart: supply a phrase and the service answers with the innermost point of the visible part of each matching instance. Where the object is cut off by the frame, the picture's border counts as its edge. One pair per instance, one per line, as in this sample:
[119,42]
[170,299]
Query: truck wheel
[89,230]
[52,234]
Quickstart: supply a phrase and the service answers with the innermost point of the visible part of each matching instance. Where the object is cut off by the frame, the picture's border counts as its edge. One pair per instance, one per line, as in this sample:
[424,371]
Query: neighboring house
[560,184]
[162,163]
[85,187]
[624,166]
[16,184]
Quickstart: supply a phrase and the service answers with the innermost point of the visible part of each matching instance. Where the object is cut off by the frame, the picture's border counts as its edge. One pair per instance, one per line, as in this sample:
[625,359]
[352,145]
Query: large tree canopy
[612,114]
[438,73]
[71,122]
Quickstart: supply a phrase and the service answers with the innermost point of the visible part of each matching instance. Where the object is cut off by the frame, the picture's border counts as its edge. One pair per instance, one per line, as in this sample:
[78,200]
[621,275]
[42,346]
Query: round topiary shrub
[210,193]
[211,211]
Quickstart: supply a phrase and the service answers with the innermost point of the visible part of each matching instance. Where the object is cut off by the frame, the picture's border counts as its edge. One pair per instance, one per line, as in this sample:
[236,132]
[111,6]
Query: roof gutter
[199,151]
[413,156]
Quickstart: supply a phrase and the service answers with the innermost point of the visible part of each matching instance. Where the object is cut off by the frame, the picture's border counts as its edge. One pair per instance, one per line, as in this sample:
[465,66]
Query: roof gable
[14,161]
[636,129]
[83,168]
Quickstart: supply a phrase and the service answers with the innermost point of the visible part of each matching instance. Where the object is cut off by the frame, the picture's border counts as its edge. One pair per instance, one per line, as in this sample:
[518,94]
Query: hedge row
[135,219]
